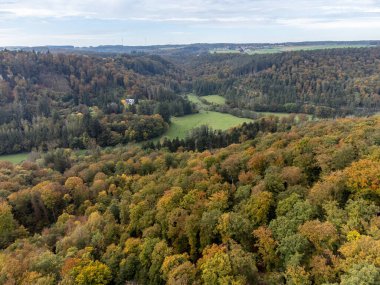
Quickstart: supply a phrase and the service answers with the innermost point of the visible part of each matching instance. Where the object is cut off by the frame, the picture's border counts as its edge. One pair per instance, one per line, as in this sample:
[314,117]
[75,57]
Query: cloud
[8,31]
[189,11]
[307,23]
[49,20]
[57,8]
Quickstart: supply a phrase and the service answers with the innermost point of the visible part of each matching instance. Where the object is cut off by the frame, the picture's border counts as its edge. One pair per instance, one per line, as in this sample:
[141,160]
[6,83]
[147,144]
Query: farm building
[130,101]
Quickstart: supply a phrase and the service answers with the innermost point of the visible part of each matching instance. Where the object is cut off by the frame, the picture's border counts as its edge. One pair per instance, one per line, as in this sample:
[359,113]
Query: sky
[148,22]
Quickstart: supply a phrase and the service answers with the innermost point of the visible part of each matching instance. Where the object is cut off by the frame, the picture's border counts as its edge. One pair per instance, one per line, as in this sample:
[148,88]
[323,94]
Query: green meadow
[215,99]
[218,121]
[180,126]
[278,49]
[195,99]
[14,158]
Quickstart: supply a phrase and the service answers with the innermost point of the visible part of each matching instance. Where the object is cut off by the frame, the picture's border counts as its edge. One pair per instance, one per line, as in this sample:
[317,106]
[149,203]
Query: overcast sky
[145,22]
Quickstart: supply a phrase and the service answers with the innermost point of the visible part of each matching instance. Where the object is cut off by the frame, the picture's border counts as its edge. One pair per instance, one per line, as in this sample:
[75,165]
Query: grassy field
[180,126]
[14,158]
[298,48]
[194,99]
[218,121]
[215,99]
[278,49]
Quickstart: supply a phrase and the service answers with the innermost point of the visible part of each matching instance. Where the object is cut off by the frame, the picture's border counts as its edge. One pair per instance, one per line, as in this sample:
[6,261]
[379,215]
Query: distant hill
[196,48]
[50,100]
[73,97]
[324,82]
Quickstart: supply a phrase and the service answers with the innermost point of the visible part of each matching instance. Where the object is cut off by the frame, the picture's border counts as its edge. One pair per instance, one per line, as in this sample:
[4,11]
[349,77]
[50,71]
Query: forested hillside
[327,83]
[57,100]
[293,205]
[66,100]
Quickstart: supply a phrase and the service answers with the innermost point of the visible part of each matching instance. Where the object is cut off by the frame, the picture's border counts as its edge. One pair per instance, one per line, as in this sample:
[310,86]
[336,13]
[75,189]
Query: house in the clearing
[130,101]
[127,103]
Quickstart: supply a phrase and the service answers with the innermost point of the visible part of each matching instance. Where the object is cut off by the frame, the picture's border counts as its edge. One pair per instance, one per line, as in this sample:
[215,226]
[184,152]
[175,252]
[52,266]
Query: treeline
[41,92]
[81,130]
[299,206]
[93,81]
[43,95]
[237,112]
[326,83]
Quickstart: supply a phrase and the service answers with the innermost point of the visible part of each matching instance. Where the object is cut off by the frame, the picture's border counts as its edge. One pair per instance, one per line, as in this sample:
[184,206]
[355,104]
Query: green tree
[363,274]
[93,273]
[8,224]
[163,109]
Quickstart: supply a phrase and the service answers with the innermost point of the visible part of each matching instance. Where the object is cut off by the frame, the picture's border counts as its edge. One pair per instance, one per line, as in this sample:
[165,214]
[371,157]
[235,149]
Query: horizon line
[188,44]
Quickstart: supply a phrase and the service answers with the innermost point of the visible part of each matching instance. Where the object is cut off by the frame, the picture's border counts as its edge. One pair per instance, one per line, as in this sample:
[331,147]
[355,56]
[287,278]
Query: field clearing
[299,48]
[218,121]
[278,49]
[194,99]
[14,158]
[215,99]
[316,47]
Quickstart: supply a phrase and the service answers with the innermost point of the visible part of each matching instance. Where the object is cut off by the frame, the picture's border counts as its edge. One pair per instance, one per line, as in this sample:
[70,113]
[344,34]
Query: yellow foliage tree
[92,273]
[364,176]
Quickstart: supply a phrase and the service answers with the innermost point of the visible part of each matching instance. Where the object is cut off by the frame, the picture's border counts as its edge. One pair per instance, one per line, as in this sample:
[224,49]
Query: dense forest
[276,201]
[326,83]
[57,100]
[78,101]
[296,203]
